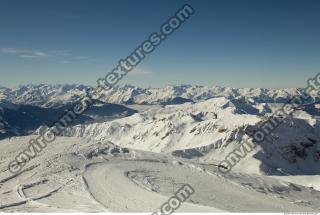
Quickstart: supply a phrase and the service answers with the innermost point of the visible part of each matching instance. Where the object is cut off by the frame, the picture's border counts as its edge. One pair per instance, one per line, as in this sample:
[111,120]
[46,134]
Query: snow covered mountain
[133,155]
[42,95]
[57,95]
[210,130]
[18,119]
[195,122]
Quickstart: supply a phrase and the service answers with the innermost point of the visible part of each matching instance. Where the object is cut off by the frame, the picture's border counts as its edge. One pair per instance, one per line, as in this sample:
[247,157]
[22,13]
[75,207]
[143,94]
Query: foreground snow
[75,174]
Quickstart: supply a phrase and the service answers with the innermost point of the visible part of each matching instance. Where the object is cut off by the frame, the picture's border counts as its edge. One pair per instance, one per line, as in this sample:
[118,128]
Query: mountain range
[57,95]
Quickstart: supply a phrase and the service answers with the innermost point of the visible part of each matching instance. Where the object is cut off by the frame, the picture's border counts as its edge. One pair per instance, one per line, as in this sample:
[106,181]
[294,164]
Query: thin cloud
[82,57]
[60,53]
[28,53]
[140,71]
[24,53]
[29,56]
[65,61]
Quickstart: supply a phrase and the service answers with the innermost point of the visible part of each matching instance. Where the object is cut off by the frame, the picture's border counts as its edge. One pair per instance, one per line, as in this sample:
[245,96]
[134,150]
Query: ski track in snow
[109,185]
[74,174]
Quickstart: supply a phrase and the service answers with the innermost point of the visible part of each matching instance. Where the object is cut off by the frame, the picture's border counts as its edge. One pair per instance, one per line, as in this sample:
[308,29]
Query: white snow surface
[76,175]
[208,131]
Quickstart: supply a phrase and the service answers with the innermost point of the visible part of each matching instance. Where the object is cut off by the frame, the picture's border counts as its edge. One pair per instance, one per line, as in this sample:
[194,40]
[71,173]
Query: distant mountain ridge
[44,95]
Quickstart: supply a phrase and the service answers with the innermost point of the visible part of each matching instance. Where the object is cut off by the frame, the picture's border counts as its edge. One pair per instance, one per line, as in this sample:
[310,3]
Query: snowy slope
[210,130]
[76,175]
[172,127]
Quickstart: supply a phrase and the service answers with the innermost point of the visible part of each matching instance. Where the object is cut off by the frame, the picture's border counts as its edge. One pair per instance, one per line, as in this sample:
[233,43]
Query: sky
[236,43]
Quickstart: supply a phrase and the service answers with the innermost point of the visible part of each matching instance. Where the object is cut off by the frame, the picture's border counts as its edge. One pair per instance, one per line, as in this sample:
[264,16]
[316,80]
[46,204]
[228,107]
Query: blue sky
[238,43]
